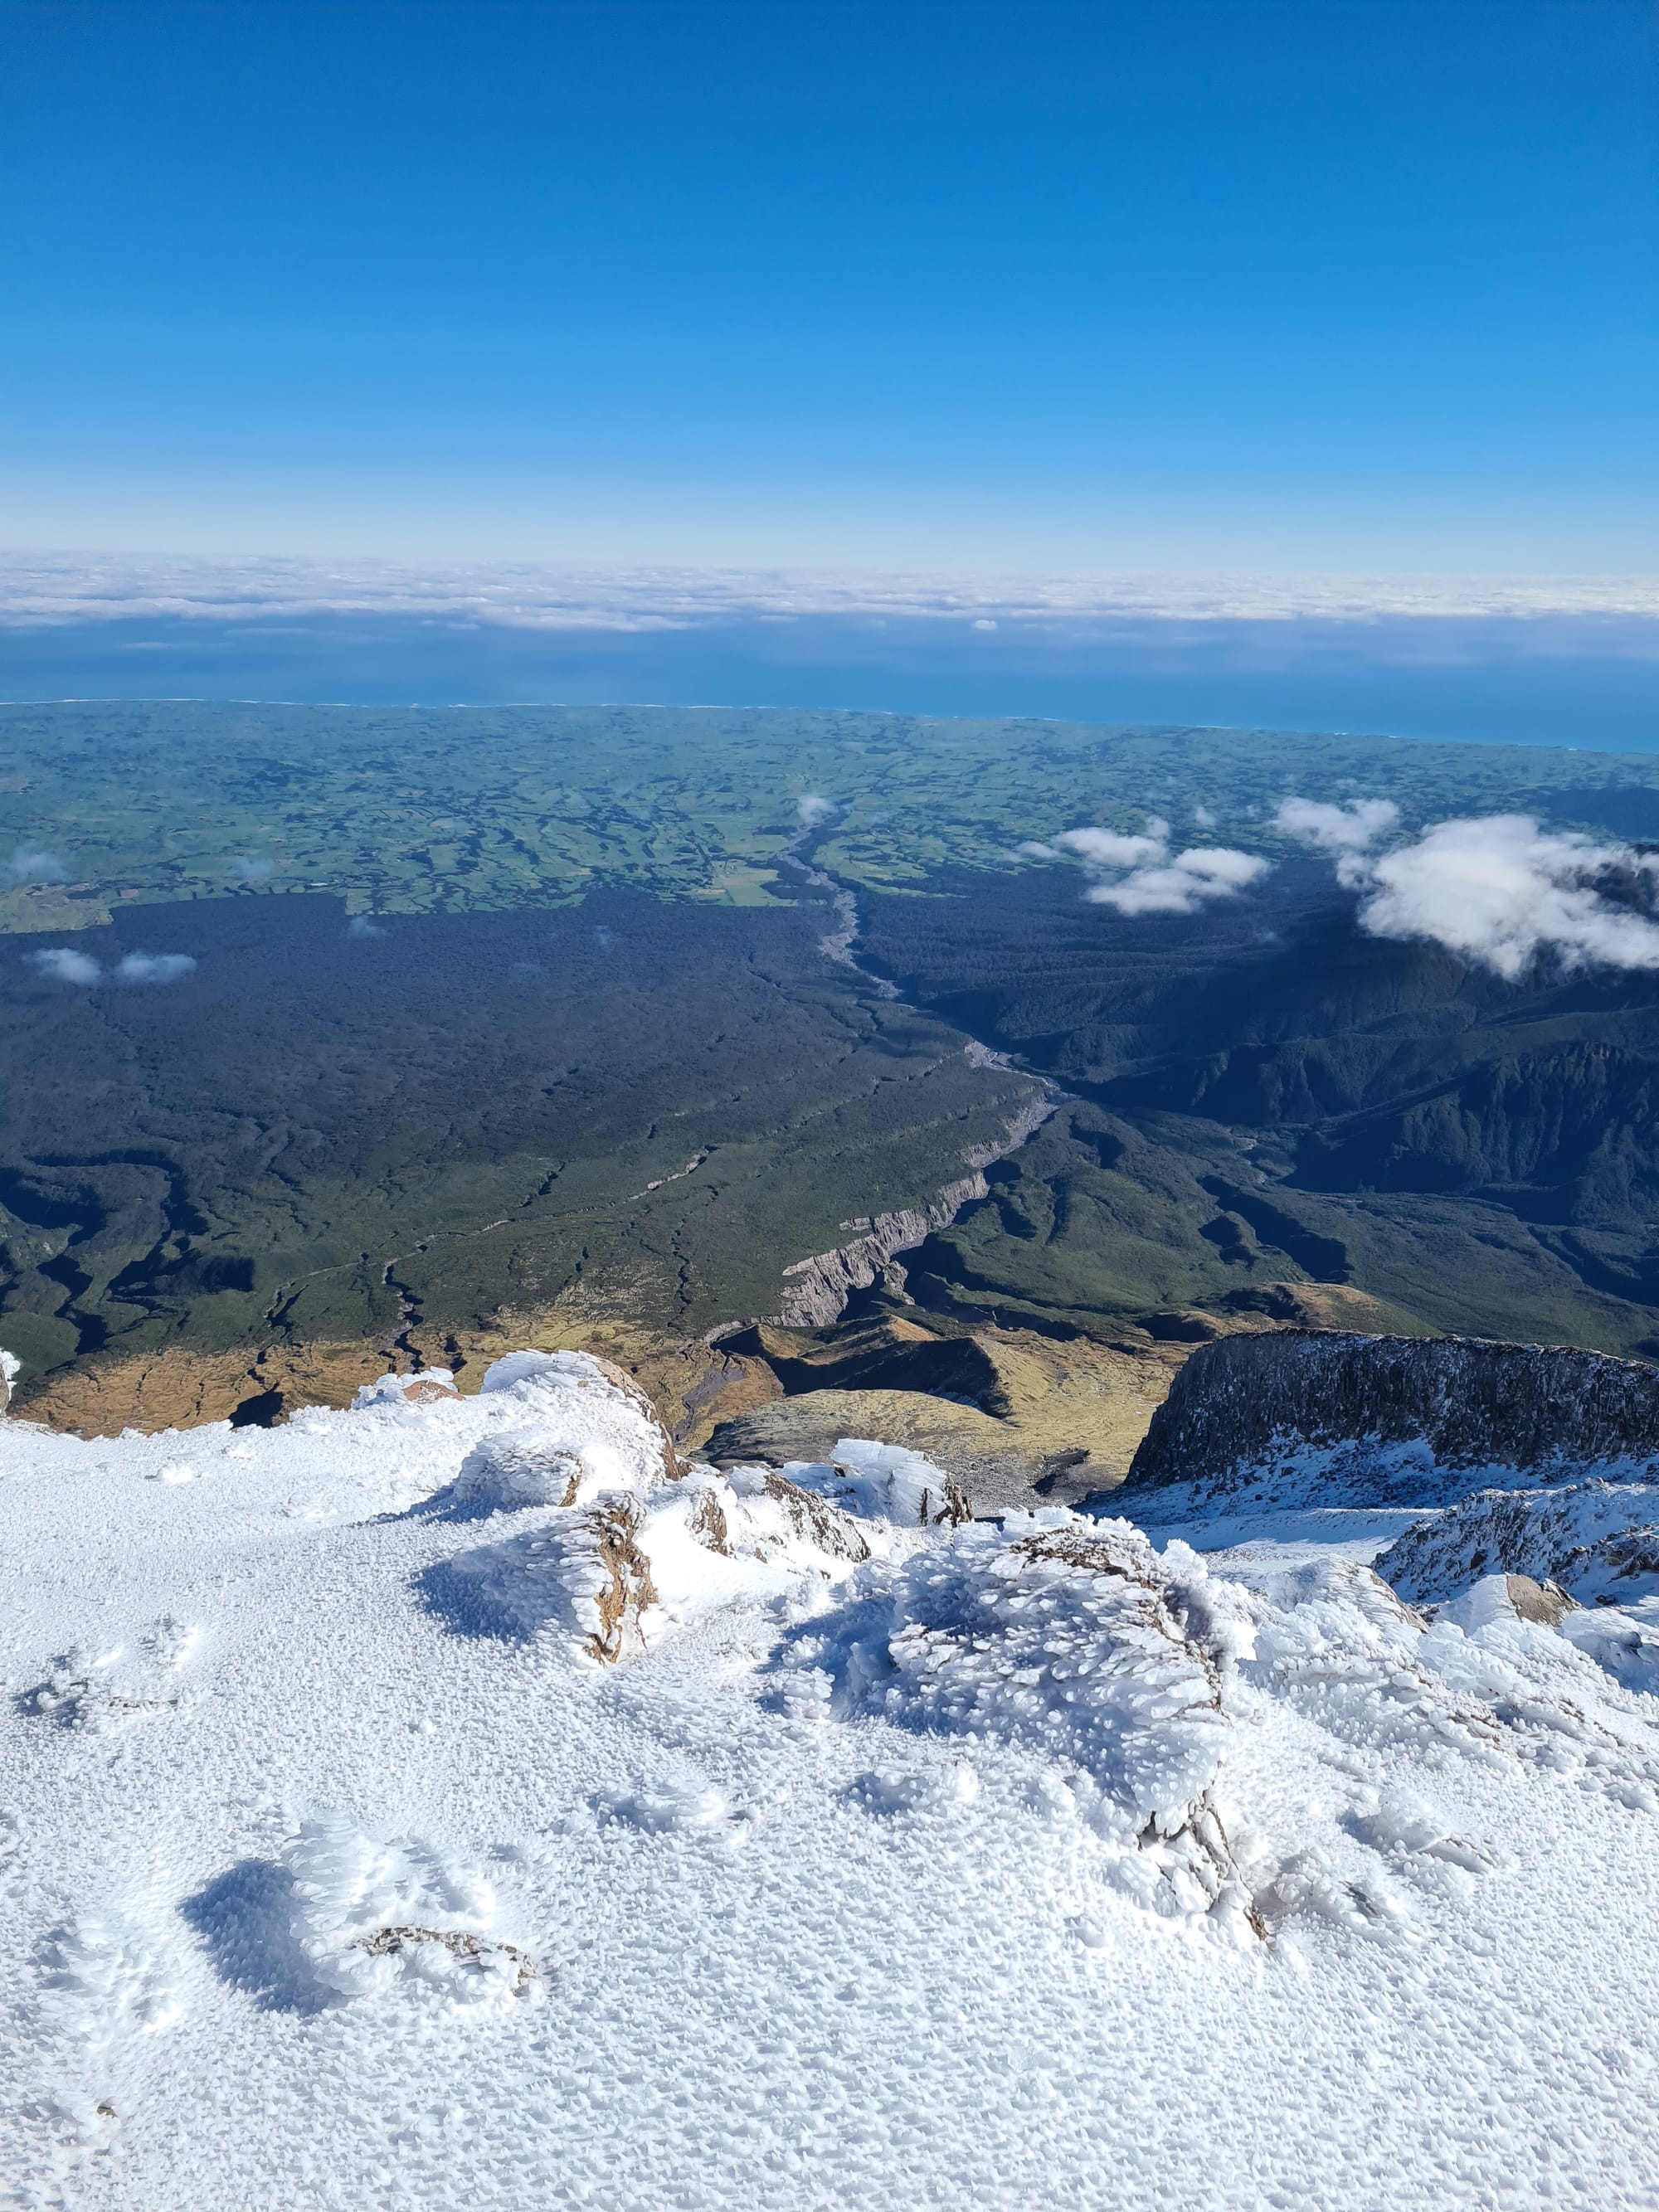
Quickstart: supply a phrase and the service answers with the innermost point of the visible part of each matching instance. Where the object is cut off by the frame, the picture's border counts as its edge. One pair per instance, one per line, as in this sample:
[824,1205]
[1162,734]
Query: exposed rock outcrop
[1397,1420]
[1598,1541]
[817,1289]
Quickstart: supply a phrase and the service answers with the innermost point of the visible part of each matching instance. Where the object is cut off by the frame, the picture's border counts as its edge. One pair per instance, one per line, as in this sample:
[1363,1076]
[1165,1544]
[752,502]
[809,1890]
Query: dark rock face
[1409,1411]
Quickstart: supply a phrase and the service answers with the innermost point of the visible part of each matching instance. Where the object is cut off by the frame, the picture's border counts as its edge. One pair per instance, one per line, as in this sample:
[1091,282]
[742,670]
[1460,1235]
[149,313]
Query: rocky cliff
[818,1288]
[1394,1420]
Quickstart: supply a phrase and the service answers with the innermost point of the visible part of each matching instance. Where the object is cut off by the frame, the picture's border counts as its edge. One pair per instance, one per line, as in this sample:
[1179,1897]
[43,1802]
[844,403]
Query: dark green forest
[474,989]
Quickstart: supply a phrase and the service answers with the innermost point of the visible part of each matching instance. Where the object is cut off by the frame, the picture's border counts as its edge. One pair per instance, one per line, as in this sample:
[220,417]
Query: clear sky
[1256,285]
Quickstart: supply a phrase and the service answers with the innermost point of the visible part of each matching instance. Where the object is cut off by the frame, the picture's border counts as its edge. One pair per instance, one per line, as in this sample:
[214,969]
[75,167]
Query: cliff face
[818,1288]
[1395,1420]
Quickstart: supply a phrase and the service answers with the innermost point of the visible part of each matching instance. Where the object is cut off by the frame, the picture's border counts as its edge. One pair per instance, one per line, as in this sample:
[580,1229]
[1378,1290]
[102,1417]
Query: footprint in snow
[927,1790]
[125,1682]
[685,1812]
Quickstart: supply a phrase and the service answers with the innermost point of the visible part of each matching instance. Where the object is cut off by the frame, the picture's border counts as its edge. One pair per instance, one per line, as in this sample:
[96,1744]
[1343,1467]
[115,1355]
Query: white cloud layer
[1106,849]
[1139,875]
[1500,891]
[43,591]
[64,964]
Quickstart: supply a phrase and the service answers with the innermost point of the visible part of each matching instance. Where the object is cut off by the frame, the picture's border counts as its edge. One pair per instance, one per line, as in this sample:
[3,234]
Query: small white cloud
[1139,875]
[32,864]
[361,926]
[1034,849]
[1350,828]
[1500,891]
[246,868]
[1204,818]
[65,965]
[812,810]
[154,967]
[1108,848]
[1184,883]
[984,622]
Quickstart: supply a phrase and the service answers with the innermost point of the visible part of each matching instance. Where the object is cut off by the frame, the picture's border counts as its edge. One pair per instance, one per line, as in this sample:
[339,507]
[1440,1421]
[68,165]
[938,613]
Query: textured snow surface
[450,1802]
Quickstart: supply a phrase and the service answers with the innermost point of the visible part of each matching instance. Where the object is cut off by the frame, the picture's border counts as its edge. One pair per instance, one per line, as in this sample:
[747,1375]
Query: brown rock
[1545,1602]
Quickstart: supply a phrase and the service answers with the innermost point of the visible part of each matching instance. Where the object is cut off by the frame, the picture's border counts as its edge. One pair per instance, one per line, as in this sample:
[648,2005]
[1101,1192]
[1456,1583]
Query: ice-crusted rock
[430,1387]
[1599,1542]
[885,1482]
[376,1916]
[1229,1740]
[1078,1640]
[566,1427]
[593,1396]
[616,1573]
[581,1570]
[1302,1417]
[800,1515]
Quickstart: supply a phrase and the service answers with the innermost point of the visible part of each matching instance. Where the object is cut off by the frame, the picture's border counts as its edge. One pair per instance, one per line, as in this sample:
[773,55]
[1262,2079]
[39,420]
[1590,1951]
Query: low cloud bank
[64,964]
[42,591]
[1501,890]
[1498,890]
[1140,875]
[155,967]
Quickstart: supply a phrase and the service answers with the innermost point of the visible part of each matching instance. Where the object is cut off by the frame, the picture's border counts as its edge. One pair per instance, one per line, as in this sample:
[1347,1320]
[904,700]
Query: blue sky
[1247,286]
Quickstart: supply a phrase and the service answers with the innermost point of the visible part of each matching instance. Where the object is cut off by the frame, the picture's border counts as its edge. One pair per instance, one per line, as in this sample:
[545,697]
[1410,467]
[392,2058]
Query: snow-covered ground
[461,1803]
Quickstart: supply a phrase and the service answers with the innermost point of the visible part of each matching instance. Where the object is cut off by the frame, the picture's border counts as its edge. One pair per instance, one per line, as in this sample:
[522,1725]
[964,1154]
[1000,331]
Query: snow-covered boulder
[885,1482]
[431,1386]
[1077,1640]
[10,1368]
[617,1571]
[592,1398]
[377,1916]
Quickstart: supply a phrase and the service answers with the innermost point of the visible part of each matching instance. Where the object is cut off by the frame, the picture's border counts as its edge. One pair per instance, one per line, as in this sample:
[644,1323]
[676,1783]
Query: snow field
[887,1864]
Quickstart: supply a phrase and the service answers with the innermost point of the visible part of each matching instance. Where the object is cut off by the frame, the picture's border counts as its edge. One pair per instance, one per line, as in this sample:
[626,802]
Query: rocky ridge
[1403,1420]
